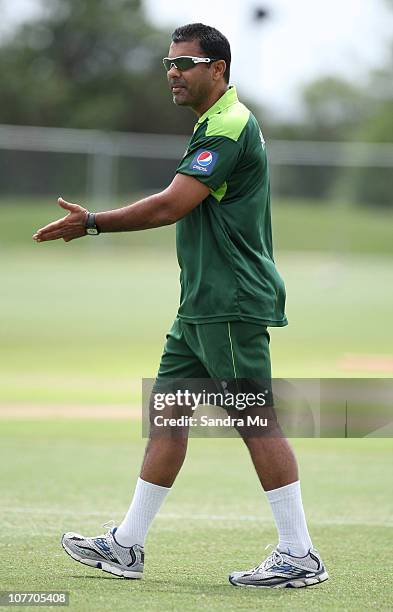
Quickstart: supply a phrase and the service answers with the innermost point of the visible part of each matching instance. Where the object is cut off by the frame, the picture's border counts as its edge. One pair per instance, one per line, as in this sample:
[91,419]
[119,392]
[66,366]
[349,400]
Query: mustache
[176,84]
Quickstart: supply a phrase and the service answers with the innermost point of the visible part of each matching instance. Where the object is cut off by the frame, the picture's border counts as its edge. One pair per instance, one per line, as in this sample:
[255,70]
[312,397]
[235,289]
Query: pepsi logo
[204,159]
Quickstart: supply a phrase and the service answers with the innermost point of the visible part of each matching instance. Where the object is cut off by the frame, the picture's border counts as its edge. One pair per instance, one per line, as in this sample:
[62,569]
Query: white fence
[96,163]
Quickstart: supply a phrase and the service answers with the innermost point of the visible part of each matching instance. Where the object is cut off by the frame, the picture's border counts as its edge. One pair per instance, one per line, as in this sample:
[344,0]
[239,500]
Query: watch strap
[91,222]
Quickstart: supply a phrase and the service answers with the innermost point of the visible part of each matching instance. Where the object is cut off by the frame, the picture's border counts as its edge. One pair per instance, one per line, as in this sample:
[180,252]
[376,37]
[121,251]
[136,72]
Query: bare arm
[164,208]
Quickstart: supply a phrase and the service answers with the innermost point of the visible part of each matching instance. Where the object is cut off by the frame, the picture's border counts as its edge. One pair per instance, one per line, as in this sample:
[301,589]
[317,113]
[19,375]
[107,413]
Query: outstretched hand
[69,227]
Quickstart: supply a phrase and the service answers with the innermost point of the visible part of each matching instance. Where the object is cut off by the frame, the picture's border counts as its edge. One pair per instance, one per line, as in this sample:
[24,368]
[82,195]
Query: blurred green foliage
[89,64]
[97,64]
[336,110]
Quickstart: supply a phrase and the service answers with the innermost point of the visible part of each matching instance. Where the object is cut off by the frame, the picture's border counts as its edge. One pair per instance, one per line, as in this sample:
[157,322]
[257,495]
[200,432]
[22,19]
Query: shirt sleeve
[211,160]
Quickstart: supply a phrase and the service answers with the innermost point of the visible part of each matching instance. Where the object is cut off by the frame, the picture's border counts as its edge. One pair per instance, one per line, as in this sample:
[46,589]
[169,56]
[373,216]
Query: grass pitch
[75,475]
[82,323]
[86,326]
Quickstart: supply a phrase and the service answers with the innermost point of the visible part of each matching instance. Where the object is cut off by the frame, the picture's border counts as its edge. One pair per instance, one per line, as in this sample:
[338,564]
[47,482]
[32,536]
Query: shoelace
[109,524]
[275,558]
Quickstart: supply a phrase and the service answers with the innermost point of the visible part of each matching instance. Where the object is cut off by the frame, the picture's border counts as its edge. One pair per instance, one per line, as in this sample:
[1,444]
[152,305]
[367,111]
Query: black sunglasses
[185,62]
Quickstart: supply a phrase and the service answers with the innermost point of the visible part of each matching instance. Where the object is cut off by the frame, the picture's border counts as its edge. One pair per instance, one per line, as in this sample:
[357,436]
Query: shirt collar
[226,100]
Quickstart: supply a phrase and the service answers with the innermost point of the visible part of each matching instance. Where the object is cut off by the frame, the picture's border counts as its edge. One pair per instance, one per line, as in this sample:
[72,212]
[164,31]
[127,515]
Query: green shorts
[225,350]
[230,360]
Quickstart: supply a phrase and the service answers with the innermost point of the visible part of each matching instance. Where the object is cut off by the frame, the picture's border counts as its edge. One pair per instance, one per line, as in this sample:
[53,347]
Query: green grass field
[85,325]
[82,323]
[299,225]
[85,321]
[75,475]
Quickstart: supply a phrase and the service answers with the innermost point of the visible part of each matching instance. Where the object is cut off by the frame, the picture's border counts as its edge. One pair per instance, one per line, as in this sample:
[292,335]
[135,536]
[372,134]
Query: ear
[219,68]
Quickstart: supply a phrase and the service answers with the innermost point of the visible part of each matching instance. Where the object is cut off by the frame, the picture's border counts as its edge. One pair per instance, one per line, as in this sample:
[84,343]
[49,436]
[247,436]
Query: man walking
[230,293]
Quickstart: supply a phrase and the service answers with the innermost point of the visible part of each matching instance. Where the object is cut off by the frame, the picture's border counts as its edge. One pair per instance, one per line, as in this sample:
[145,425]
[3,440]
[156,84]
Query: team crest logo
[204,161]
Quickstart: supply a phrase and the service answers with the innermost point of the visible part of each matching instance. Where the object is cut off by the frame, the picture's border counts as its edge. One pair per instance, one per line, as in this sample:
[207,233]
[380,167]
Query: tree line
[97,64]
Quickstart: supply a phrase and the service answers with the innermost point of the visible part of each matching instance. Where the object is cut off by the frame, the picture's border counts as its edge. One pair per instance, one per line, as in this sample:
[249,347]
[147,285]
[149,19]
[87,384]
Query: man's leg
[237,354]
[276,466]
[274,461]
[166,449]
[120,551]
[164,457]
[245,355]
[293,563]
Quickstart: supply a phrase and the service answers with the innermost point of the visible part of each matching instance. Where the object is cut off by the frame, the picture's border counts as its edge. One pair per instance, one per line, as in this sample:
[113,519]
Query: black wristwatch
[90,226]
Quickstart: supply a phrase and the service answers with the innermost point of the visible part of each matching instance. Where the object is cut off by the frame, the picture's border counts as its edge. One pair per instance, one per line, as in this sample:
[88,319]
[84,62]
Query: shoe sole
[289,584]
[102,565]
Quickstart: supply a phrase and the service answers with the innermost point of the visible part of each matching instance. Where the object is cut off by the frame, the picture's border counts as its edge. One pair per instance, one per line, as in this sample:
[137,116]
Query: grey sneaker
[104,553]
[283,570]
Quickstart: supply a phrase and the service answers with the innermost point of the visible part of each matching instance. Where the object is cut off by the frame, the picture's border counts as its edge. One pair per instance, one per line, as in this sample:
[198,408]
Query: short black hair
[211,41]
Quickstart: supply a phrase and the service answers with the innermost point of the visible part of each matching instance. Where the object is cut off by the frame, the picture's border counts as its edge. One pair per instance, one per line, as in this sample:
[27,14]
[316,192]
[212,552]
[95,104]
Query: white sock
[287,507]
[145,504]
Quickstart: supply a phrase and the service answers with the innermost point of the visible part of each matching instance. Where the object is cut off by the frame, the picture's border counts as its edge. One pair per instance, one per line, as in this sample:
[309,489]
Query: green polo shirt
[224,245]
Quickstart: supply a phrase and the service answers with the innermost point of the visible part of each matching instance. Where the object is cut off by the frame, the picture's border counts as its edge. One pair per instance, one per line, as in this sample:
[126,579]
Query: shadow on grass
[185,587]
